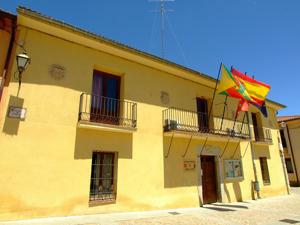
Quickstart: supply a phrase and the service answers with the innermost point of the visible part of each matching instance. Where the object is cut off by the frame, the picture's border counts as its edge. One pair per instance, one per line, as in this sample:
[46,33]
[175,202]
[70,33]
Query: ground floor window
[102,186]
[289,166]
[264,170]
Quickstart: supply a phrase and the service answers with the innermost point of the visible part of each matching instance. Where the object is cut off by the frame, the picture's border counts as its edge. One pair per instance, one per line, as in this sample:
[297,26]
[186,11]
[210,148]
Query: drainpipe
[257,189]
[292,151]
[287,183]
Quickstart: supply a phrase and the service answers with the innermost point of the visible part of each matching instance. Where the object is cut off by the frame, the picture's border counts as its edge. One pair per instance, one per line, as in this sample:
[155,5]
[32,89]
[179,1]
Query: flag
[238,85]
[257,90]
[243,106]
[231,86]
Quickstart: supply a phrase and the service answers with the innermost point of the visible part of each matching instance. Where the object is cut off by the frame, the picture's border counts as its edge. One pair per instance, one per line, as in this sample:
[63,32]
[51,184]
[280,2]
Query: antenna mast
[163,11]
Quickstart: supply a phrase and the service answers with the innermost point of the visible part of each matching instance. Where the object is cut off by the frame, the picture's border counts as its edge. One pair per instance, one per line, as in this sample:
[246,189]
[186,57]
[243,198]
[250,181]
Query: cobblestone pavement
[282,210]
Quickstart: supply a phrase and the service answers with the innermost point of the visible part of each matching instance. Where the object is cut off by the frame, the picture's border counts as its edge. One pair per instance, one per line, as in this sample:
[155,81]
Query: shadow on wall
[11,125]
[262,151]
[232,187]
[174,173]
[88,141]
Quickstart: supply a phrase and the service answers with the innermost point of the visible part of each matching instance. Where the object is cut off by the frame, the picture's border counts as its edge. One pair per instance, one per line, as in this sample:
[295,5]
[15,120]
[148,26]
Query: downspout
[257,189]
[286,177]
[292,151]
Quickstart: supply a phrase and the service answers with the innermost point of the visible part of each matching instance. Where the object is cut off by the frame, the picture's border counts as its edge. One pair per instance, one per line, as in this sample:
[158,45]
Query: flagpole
[225,104]
[243,123]
[212,102]
[256,185]
[237,111]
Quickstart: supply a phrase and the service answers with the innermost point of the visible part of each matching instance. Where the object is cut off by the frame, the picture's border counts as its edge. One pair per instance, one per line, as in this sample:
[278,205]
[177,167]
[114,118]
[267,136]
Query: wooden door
[105,97]
[209,184]
[202,111]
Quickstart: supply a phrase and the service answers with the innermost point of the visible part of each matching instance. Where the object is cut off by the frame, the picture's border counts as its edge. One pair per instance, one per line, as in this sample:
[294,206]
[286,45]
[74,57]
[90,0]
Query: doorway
[209,181]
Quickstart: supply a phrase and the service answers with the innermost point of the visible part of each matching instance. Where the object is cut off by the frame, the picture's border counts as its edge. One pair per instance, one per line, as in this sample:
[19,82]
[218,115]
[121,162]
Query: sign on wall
[189,165]
[16,112]
[233,168]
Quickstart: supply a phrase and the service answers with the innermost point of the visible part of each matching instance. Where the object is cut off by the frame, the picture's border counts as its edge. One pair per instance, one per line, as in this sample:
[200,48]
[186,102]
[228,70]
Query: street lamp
[22,62]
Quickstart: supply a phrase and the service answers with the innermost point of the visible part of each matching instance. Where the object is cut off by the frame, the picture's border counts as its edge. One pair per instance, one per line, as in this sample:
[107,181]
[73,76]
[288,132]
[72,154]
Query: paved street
[282,210]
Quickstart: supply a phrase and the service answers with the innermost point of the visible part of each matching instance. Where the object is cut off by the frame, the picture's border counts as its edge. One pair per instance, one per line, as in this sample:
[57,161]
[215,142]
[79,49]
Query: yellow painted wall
[46,159]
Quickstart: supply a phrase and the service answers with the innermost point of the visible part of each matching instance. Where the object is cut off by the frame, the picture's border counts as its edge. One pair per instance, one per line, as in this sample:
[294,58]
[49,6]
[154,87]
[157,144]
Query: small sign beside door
[189,165]
[16,112]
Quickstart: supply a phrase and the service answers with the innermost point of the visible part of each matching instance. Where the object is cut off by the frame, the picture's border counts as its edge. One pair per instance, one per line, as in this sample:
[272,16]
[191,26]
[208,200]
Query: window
[202,111]
[102,186]
[282,138]
[289,166]
[105,99]
[264,170]
[233,168]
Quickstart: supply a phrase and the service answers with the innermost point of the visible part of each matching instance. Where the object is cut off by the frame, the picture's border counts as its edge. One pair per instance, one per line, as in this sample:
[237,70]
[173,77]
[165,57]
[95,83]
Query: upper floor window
[202,112]
[105,102]
[283,141]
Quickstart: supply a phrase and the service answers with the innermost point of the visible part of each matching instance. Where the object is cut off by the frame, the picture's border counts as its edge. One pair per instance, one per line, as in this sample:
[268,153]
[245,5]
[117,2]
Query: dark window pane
[102,176]
[264,170]
[289,166]
[283,138]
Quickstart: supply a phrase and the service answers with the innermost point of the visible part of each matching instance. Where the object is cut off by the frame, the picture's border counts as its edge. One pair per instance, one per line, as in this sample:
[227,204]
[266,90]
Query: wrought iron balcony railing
[175,119]
[110,111]
[262,134]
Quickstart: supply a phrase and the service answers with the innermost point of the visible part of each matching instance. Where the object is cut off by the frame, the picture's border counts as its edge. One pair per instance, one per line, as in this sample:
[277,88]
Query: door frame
[211,151]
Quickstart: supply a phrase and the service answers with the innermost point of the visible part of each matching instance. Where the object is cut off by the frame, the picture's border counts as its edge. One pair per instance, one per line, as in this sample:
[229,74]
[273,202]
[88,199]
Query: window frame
[105,197]
[263,161]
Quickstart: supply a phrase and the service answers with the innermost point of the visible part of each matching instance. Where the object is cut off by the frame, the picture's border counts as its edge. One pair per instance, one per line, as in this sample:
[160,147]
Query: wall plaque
[57,71]
[164,97]
[16,112]
[189,165]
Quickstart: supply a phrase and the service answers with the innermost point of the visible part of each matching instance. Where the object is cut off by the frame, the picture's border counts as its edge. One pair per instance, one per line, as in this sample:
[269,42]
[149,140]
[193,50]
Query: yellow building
[97,126]
[290,133]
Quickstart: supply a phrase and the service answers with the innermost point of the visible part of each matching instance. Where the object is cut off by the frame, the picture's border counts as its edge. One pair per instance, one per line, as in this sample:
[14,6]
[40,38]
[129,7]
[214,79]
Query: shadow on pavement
[229,205]
[218,209]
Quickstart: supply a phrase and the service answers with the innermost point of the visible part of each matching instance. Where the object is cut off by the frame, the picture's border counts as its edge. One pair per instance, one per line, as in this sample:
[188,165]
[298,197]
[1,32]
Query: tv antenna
[163,12]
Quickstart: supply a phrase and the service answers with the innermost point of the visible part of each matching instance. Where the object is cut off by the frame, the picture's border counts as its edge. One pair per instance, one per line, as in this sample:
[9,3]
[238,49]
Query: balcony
[99,112]
[187,122]
[262,135]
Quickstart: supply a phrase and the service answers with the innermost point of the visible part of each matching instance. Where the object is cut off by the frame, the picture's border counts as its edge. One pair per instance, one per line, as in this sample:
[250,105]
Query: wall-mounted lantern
[22,62]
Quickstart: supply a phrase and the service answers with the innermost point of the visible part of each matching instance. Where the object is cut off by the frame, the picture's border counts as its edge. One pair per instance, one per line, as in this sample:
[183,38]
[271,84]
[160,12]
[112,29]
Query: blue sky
[260,37]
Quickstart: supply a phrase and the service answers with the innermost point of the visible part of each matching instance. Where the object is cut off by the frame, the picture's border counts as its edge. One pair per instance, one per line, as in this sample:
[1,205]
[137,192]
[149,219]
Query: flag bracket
[170,145]
[188,145]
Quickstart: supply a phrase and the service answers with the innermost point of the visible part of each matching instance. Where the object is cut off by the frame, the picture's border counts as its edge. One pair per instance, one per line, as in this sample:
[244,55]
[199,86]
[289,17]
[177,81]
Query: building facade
[290,133]
[96,126]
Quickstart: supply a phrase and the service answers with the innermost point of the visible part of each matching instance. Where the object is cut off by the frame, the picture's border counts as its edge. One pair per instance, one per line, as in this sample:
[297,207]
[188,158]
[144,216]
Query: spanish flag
[238,85]
[231,86]
[257,90]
